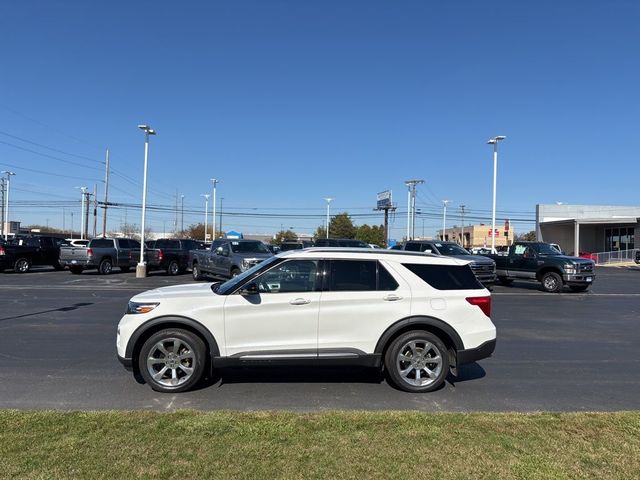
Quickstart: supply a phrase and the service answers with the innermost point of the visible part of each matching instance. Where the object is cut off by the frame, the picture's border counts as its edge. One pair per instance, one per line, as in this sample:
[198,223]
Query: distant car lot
[570,351]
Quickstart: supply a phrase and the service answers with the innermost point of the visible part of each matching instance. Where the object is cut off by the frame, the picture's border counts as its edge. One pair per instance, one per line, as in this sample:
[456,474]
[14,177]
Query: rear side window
[445,277]
[359,275]
[412,247]
[124,243]
[101,243]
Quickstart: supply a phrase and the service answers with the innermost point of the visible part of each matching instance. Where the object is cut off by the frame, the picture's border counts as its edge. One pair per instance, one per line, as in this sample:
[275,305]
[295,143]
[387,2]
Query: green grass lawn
[359,445]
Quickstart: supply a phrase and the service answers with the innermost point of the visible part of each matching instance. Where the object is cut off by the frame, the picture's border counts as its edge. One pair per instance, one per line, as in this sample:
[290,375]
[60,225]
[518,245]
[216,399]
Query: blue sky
[287,102]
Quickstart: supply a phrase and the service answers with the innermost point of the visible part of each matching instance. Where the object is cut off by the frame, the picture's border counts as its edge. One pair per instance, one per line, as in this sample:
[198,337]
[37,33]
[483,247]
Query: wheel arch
[144,331]
[540,273]
[438,327]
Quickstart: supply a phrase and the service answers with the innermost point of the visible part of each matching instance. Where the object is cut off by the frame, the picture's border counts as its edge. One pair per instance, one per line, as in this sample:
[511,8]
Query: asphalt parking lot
[558,352]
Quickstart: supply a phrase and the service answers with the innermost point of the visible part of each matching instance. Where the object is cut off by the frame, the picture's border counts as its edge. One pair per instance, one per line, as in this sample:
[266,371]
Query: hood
[568,258]
[249,256]
[479,259]
[190,290]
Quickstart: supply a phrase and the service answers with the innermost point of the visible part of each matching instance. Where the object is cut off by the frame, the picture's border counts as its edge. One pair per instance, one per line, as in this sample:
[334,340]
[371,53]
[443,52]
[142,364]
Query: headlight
[134,308]
[246,264]
[570,268]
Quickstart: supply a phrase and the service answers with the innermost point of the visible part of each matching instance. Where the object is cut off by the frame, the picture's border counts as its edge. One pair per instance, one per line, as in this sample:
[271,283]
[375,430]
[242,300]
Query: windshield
[450,249]
[249,247]
[232,284]
[546,249]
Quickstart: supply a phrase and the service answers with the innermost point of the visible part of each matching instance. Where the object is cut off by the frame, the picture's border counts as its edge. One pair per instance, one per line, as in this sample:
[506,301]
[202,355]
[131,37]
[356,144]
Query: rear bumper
[473,354]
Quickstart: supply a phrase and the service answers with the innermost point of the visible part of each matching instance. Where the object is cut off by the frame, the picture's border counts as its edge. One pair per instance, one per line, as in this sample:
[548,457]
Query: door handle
[300,301]
[392,298]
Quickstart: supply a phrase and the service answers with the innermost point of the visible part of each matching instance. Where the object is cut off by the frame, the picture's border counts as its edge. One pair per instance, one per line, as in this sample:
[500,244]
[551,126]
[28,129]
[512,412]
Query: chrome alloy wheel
[419,363]
[550,283]
[171,362]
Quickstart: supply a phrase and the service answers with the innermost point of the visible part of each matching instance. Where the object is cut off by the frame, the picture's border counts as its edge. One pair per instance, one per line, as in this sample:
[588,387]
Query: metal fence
[618,256]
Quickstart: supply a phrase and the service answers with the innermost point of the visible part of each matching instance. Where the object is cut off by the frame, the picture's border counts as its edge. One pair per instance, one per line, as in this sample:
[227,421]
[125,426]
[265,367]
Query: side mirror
[250,288]
[219,251]
[428,251]
[529,255]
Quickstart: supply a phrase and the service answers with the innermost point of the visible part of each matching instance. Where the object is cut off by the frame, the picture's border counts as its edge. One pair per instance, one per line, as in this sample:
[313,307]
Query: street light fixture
[494,141]
[206,213]
[141,268]
[83,191]
[213,223]
[328,199]
[6,226]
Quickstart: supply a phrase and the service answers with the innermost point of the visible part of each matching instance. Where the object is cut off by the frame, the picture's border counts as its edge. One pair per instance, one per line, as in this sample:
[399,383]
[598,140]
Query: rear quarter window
[101,243]
[445,277]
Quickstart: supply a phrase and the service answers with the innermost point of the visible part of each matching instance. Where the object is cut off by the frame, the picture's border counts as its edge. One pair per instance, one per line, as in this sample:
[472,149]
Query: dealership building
[588,228]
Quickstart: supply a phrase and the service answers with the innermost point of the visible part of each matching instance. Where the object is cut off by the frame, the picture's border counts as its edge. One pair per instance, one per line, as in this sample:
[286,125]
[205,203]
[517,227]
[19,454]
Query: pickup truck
[169,254]
[483,268]
[21,253]
[227,258]
[101,253]
[543,263]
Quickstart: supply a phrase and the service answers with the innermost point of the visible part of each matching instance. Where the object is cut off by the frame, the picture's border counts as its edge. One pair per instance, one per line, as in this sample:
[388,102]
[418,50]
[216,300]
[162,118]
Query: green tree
[321,232]
[371,234]
[284,236]
[195,231]
[341,226]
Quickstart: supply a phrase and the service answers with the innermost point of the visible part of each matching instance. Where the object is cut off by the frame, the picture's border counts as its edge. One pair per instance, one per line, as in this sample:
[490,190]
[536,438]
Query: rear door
[360,299]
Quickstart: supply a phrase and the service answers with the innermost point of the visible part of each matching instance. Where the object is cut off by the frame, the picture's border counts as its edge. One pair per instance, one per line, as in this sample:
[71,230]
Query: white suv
[415,315]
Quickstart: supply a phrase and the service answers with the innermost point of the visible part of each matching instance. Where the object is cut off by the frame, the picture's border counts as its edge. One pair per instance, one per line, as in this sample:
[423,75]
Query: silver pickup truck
[101,253]
[227,258]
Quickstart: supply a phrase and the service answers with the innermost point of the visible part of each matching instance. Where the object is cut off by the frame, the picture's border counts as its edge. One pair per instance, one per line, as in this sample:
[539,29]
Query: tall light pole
[83,191]
[182,214]
[141,268]
[328,199]
[7,227]
[462,213]
[494,141]
[444,217]
[213,223]
[206,213]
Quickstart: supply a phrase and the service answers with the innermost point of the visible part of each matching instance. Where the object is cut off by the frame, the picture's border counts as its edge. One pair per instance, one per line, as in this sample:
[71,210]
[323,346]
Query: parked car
[22,253]
[340,242]
[286,246]
[588,256]
[483,268]
[101,253]
[169,254]
[542,263]
[414,315]
[227,258]
[637,259]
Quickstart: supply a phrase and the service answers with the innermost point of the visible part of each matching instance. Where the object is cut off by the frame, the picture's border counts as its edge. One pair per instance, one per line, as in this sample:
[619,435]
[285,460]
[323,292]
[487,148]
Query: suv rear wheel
[172,360]
[417,362]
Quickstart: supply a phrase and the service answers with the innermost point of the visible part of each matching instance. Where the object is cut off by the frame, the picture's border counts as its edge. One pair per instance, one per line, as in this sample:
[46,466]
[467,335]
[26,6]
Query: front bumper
[473,354]
[582,278]
[127,363]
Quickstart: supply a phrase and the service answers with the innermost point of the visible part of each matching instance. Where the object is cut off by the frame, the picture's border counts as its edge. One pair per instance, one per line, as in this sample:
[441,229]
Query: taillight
[160,255]
[89,252]
[483,302]
[2,252]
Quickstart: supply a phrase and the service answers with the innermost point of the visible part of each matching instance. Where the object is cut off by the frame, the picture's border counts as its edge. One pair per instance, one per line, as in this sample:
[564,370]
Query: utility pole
[328,199]
[462,213]
[95,209]
[182,213]
[175,222]
[106,196]
[494,141]
[7,225]
[83,191]
[87,202]
[2,194]
[206,213]
[71,236]
[221,199]
[213,215]
[411,214]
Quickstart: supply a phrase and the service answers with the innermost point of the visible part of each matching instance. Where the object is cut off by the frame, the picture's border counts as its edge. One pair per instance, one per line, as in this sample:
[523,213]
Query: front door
[279,322]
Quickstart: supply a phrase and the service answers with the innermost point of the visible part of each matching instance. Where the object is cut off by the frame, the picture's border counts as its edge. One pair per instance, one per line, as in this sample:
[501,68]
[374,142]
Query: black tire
[197,276]
[105,267]
[58,266]
[173,268]
[505,281]
[188,344]
[551,282]
[578,288]
[75,270]
[422,341]
[235,272]
[21,265]
[125,269]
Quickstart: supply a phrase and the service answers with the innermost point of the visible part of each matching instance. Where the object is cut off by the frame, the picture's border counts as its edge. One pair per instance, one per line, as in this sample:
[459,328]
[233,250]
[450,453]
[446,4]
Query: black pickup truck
[543,263]
[171,254]
[21,253]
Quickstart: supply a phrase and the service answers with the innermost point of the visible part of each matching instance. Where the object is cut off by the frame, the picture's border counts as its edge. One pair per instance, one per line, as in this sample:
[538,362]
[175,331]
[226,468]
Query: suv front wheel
[417,362]
[172,360]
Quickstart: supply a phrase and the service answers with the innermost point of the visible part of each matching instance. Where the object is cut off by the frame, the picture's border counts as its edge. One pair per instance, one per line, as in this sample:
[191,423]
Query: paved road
[555,352]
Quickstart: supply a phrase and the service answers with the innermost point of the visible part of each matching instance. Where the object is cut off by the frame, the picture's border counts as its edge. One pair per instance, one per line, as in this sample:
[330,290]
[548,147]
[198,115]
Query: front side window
[249,247]
[289,277]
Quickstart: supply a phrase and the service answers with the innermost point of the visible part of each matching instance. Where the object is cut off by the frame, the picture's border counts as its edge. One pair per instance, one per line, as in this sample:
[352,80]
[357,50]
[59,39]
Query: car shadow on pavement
[464,373]
[282,374]
[75,306]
